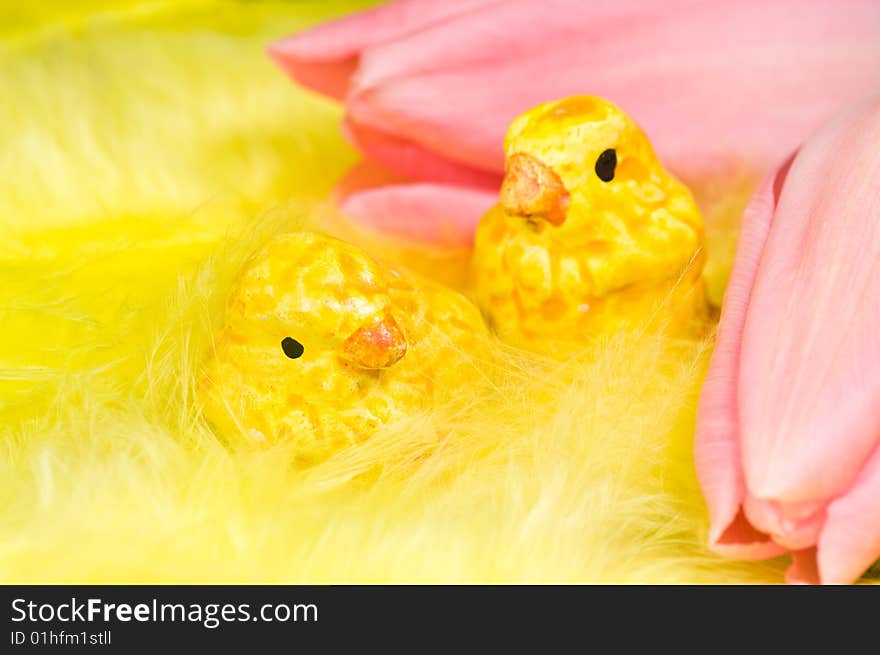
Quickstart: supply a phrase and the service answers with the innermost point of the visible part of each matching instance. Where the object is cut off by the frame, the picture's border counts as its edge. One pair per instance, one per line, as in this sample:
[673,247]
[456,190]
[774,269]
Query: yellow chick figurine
[321,345]
[590,233]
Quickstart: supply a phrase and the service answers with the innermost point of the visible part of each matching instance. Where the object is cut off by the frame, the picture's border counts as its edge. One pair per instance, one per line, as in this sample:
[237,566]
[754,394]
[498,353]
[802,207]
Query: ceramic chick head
[321,345]
[590,232]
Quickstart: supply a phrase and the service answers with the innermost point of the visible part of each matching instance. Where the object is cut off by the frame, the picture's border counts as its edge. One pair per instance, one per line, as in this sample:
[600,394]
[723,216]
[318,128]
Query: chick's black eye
[291,347]
[605,165]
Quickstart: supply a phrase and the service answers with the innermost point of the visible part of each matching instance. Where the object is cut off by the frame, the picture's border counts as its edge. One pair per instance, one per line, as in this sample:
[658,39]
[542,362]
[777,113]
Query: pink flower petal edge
[716,449]
[411,160]
[433,212]
[324,58]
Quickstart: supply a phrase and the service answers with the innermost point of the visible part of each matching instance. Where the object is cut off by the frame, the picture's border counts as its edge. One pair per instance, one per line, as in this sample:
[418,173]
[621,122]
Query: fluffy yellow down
[146,148]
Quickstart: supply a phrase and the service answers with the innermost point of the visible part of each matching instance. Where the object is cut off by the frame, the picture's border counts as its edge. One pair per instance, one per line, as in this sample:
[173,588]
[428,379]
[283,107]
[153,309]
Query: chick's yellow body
[321,345]
[591,234]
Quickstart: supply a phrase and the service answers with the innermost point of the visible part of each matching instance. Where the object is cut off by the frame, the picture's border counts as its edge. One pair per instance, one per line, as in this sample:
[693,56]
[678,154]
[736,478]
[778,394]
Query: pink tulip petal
[325,57]
[802,414]
[328,78]
[793,525]
[716,449]
[850,542]
[430,212]
[413,161]
[760,76]
[809,384]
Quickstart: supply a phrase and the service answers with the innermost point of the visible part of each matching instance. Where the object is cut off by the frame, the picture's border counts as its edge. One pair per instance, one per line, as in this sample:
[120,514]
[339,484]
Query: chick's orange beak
[532,189]
[378,344]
